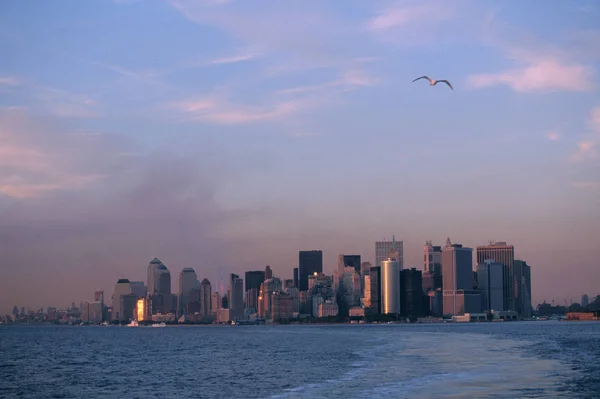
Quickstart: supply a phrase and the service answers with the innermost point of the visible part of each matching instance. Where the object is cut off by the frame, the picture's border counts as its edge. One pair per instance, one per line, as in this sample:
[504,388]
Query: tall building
[268,272]
[187,282]
[585,300]
[522,288]
[502,253]
[457,276]
[253,281]
[215,303]
[366,298]
[375,291]
[490,280]
[205,298]
[389,249]
[390,286]
[348,261]
[310,262]
[412,299]
[236,301]
[296,277]
[267,288]
[432,258]
[152,268]
[122,288]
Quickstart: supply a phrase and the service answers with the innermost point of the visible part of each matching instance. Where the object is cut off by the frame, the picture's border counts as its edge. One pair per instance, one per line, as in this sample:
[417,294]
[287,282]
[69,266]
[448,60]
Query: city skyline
[330,271]
[225,136]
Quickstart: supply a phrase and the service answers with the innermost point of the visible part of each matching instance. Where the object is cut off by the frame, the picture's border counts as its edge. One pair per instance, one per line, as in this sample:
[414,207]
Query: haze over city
[226,135]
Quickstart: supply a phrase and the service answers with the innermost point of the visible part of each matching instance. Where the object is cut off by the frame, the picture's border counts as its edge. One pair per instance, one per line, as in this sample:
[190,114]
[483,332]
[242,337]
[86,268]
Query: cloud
[9,81]
[36,157]
[350,79]
[538,66]
[587,148]
[232,59]
[553,136]
[543,74]
[410,22]
[223,112]
[298,32]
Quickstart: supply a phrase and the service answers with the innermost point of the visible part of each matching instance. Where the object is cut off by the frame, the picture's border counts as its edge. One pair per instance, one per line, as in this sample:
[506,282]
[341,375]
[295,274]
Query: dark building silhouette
[268,272]
[375,278]
[296,277]
[411,293]
[352,261]
[309,262]
[254,279]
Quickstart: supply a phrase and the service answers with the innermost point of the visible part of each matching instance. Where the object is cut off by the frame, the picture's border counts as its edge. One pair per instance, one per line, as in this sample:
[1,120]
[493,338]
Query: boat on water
[162,324]
[133,324]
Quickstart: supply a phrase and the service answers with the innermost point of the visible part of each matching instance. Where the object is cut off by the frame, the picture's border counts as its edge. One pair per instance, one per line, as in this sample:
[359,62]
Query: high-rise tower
[389,249]
[504,254]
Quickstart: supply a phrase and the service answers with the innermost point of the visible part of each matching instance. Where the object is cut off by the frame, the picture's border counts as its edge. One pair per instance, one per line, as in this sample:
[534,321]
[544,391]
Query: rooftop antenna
[491,242]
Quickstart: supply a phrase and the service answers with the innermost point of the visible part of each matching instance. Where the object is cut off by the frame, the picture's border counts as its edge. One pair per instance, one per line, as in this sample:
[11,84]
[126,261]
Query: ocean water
[487,360]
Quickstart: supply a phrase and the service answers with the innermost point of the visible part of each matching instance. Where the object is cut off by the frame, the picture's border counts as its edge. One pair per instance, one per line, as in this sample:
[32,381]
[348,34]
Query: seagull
[434,82]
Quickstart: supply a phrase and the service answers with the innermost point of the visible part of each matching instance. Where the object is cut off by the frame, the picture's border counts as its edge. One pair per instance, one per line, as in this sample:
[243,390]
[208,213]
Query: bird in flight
[433,82]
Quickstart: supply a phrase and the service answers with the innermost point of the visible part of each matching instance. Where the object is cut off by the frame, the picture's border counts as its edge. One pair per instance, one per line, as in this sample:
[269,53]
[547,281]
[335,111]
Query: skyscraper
[390,286]
[152,268]
[310,262]
[389,249]
[348,261]
[122,288]
[490,281]
[268,272]
[522,288]
[296,277]
[253,281]
[502,253]
[412,299]
[457,275]
[375,281]
[432,258]
[187,282]
[236,300]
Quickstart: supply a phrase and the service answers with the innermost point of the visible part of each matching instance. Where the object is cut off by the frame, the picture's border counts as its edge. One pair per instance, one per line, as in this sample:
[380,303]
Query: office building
[522,289]
[412,299]
[390,286]
[310,262]
[375,281]
[187,282]
[389,249]
[504,254]
[352,261]
[296,277]
[253,281]
[457,277]
[268,273]
[122,288]
[432,259]
[206,298]
[490,280]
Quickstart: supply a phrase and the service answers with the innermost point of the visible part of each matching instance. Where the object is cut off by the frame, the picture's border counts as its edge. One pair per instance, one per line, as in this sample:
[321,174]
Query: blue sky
[231,134]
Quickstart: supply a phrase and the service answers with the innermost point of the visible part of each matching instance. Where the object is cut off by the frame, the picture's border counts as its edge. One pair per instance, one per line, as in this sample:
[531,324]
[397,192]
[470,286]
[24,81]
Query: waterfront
[487,360]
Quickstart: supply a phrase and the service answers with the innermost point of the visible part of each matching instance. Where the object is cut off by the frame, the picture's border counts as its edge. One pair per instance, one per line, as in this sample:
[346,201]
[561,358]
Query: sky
[226,135]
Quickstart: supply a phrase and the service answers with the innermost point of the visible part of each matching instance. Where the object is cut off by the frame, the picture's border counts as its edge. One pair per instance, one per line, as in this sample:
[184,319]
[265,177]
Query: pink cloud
[541,75]
[553,136]
[586,150]
[222,112]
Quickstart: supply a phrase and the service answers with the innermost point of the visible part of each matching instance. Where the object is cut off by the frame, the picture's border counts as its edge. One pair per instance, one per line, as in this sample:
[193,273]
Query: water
[488,360]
